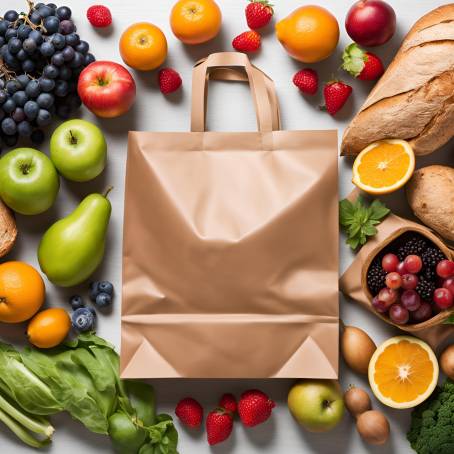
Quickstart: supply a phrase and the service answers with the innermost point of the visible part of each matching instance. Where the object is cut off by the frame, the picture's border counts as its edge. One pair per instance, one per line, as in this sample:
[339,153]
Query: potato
[430,193]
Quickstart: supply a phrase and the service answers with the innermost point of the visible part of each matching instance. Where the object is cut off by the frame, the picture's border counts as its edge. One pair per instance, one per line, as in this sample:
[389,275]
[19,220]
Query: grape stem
[5,72]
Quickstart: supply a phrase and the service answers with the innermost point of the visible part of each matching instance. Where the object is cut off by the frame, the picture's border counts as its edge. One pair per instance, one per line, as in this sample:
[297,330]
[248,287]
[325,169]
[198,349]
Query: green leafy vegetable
[450,320]
[359,219]
[431,430]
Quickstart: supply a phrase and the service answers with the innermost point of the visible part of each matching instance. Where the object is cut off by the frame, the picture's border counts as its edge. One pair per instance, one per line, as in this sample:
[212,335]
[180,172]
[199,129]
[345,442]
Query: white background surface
[230,108]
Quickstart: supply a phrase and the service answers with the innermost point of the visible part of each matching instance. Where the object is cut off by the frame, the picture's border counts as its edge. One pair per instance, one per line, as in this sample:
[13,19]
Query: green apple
[29,182]
[78,150]
[316,404]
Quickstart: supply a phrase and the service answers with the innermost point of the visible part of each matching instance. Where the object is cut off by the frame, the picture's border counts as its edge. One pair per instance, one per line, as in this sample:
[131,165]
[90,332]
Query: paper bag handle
[224,66]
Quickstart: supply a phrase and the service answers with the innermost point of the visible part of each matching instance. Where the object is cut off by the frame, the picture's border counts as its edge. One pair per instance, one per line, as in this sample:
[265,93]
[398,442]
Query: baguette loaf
[414,99]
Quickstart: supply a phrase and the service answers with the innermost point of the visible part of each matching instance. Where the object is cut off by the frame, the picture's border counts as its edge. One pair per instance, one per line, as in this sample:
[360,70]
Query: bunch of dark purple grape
[41,57]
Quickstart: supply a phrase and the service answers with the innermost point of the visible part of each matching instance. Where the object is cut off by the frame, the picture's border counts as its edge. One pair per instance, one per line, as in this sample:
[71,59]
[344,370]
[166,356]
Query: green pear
[73,247]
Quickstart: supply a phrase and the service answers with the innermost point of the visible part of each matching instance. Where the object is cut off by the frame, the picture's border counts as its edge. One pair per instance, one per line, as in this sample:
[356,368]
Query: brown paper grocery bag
[353,282]
[230,254]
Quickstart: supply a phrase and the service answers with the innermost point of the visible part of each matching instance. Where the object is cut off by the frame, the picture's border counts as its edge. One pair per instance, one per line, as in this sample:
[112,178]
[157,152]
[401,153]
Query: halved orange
[403,372]
[384,166]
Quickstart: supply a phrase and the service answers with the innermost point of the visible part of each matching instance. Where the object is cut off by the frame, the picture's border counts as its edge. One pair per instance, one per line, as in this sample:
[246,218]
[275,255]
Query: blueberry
[82,47]
[33,89]
[11,15]
[45,100]
[63,13]
[31,110]
[58,40]
[44,118]
[37,137]
[103,300]
[66,27]
[23,31]
[50,71]
[36,36]
[58,59]
[20,98]
[52,24]
[29,45]
[9,106]
[47,49]
[76,302]
[9,126]
[24,128]
[46,84]
[94,290]
[106,287]
[14,45]
[83,319]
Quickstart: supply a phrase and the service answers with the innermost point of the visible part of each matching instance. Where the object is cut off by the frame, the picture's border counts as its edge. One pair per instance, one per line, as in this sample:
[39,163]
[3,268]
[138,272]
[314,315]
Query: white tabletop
[230,108]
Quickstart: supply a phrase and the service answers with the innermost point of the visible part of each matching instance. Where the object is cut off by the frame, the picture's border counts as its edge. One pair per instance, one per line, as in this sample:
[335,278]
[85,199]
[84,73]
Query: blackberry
[376,277]
[416,245]
[431,256]
[425,288]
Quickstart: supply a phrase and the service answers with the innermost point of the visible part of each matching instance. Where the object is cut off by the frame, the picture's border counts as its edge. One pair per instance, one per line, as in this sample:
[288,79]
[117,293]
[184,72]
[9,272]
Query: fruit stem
[107,191]
[72,138]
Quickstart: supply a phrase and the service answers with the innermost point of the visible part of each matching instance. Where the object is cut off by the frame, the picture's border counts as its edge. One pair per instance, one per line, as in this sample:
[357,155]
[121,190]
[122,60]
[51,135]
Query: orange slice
[403,372]
[384,166]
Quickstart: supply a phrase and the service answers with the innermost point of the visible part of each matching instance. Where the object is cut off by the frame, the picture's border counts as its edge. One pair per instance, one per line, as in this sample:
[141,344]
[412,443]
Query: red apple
[106,88]
[371,22]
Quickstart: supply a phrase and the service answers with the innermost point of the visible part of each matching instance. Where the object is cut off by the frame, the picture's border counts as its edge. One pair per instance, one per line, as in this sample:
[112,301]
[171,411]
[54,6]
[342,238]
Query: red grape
[423,313]
[393,280]
[388,296]
[411,300]
[409,281]
[449,284]
[389,262]
[398,314]
[401,268]
[413,264]
[445,268]
[443,298]
[379,305]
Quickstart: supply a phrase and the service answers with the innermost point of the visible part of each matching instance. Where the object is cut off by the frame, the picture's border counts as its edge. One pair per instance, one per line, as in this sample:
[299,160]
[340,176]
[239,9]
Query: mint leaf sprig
[359,219]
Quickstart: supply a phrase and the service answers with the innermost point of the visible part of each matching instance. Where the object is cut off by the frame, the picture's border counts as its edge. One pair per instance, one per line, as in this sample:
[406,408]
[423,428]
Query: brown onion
[373,427]
[447,361]
[357,401]
[357,349]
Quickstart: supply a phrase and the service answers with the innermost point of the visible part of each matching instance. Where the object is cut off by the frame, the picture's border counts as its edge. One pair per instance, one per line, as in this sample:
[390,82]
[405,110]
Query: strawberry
[190,412]
[219,425]
[169,80]
[247,42]
[258,14]
[336,94]
[307,81]
[361,64]
[99,16]
[228,402]
[254,407]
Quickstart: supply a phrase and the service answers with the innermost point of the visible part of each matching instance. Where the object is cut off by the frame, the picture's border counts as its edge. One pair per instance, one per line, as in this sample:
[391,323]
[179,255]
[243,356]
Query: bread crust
[8,229]
[414,99]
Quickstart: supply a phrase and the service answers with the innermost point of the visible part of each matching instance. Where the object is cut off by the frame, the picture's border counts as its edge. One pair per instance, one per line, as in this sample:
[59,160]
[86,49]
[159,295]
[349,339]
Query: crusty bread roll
[414,99]
[8,230]
[430,194]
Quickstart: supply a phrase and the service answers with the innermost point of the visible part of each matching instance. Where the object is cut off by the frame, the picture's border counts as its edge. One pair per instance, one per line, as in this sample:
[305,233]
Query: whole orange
[310,34]
[22,292]
[195,21]
[49,328]
[143,46]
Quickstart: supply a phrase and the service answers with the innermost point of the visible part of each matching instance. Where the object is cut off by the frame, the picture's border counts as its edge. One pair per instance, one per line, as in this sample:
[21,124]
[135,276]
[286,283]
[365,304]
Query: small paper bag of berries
[404,274]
